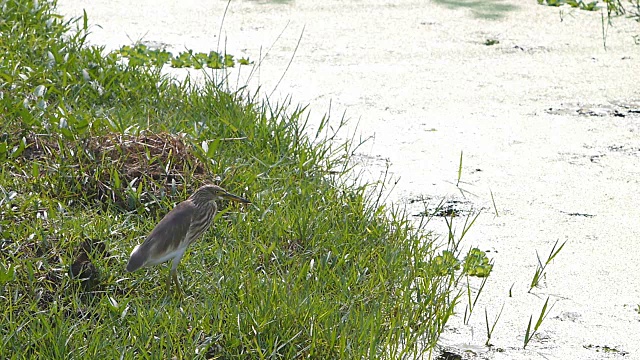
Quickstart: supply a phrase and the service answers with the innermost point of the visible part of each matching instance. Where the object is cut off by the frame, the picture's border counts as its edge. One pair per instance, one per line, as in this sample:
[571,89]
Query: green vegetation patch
[94,151]
[631,8]
[589,6]
[140,54]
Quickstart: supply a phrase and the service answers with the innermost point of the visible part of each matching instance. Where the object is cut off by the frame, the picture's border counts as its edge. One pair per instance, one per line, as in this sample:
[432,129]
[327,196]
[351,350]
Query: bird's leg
[169,281]
[173,276]
[175,280]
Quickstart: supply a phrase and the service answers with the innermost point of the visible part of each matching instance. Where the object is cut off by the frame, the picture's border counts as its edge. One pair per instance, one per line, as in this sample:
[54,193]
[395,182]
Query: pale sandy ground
[417,77]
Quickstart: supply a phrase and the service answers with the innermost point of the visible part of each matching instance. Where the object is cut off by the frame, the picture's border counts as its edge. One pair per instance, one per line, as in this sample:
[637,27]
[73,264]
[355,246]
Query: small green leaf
[81,124]
[116,179]
[228,61]
[7,274]
[177,63]
[17,150]
[139,190]
[67,133]
[212,147]
[35,170]
[477,263]
[3,150]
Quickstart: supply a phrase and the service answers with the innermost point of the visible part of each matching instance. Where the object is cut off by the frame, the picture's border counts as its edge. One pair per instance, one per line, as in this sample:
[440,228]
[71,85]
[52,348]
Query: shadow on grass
[485,9]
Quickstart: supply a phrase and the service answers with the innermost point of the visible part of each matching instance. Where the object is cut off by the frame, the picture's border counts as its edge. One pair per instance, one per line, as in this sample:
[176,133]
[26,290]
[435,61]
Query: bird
[183,225]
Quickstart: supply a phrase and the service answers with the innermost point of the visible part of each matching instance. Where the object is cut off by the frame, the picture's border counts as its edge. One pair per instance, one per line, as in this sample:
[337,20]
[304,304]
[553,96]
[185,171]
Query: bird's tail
[136,261]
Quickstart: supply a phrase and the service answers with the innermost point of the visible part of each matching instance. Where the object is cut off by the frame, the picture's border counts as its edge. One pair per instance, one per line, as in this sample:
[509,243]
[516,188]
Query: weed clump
[122,169]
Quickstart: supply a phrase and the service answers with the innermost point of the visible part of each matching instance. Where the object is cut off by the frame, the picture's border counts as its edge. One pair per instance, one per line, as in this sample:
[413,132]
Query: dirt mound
[124,169]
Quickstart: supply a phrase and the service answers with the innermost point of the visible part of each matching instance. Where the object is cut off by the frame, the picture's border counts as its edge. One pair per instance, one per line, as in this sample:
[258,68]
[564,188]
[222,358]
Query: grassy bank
[94,152]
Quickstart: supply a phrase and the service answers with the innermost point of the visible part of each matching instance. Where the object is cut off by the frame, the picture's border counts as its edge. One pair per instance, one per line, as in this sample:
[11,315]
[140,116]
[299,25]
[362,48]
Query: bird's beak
[235,198]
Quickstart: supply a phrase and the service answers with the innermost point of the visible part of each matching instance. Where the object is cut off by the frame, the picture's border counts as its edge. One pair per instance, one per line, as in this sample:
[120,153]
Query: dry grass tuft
[118,168]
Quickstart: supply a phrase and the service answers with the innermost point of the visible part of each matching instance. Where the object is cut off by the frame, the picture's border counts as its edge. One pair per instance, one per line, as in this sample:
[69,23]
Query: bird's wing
[166,237]
[173,228]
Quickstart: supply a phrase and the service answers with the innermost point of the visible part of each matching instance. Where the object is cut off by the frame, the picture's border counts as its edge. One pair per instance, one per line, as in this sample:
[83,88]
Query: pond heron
[178,229]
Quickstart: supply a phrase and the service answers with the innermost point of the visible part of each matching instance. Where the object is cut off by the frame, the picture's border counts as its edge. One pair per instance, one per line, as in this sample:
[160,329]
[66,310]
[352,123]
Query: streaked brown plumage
[178,229]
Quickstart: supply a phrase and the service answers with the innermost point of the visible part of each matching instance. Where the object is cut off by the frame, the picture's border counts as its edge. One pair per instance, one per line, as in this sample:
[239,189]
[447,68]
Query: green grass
[630,8]
[94,151]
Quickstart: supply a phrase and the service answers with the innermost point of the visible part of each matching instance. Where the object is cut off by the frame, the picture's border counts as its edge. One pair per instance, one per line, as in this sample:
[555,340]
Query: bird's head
[208,193]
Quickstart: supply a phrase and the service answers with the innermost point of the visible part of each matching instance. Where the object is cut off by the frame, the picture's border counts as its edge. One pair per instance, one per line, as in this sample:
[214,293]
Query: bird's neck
[205,204]
[201,200]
